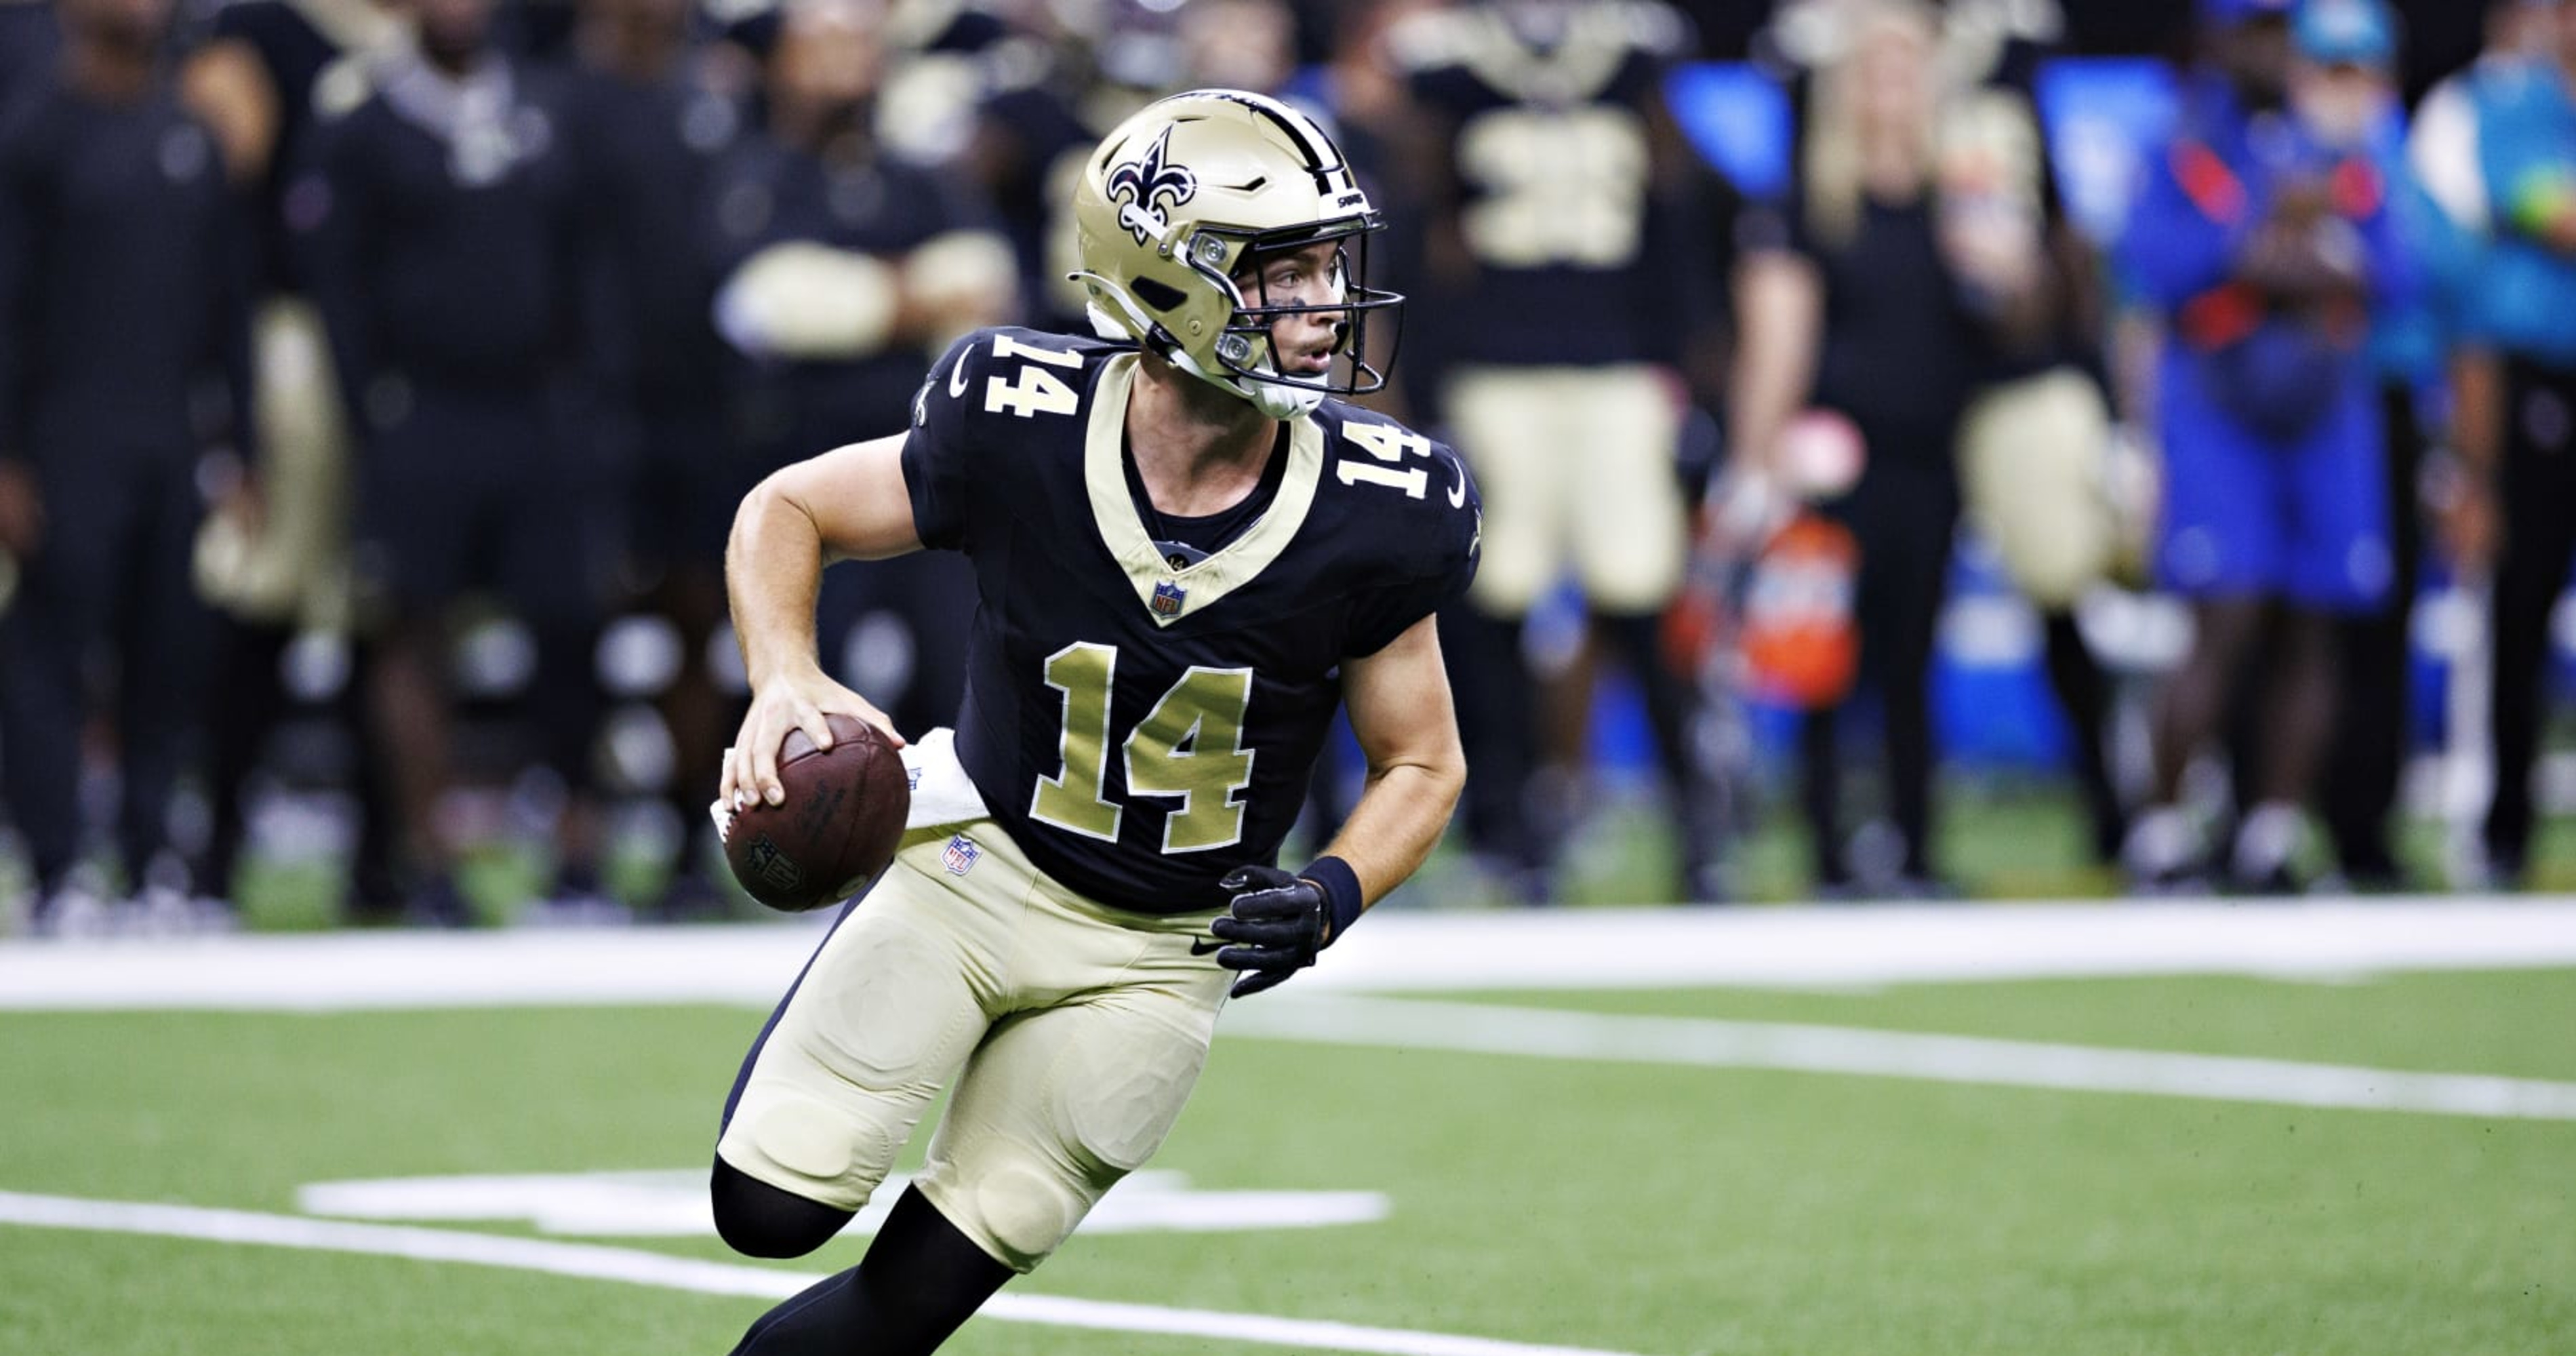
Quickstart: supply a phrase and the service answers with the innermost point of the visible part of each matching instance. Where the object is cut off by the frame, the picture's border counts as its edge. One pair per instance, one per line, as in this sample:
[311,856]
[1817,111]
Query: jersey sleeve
[1434,564]
[938,451]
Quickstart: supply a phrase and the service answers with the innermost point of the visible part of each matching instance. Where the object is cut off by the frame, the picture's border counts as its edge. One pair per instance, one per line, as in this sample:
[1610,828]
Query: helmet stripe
[1300,129]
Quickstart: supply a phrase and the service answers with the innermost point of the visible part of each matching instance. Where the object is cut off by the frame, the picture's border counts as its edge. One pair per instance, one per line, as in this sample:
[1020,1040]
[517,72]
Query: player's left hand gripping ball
[1277,923]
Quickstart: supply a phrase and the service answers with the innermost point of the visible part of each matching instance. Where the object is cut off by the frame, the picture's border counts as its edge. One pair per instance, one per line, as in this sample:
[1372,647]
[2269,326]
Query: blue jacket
[2522,297]
[2411,335]
[2208,189]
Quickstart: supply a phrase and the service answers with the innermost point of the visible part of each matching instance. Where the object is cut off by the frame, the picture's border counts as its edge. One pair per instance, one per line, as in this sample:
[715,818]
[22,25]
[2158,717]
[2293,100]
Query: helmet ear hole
[1162,296]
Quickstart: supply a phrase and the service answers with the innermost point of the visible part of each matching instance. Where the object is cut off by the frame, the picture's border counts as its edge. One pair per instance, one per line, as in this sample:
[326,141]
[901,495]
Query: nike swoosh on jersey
[957,378]
[1458,492]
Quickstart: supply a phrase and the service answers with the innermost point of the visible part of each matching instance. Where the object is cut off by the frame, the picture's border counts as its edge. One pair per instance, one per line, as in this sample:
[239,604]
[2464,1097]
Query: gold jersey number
[1190,746]
[1562,187]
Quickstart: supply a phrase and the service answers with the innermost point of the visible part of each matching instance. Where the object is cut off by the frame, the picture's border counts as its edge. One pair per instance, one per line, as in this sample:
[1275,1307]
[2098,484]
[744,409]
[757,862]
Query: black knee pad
[759,1220]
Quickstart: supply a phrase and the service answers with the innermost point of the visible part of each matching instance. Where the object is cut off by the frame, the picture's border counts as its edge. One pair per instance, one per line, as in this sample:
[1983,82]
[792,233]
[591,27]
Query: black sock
[920,1280]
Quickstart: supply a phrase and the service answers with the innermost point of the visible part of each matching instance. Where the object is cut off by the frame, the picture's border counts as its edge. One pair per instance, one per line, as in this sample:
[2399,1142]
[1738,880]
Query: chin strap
[1281,399]
[1276,399]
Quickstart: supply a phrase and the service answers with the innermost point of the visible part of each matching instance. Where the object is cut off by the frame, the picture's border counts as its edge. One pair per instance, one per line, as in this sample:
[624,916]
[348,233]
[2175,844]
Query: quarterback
[1188,552]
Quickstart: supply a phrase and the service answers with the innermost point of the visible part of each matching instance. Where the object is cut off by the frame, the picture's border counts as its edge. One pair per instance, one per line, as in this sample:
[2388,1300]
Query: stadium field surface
[2318,1128]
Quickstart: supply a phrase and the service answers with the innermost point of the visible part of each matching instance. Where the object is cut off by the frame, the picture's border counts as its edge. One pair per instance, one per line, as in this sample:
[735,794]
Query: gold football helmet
[1182,198]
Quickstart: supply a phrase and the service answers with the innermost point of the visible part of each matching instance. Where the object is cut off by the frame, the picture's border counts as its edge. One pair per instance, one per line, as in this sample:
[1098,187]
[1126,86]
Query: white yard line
[1398,952]
[1707,1043]
[637,1267]
[1814,948]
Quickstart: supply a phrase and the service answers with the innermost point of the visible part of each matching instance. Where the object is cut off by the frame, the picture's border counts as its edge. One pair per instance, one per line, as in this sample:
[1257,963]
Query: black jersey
[122,277]
[1141,730]
[1552,178]
[647,150]
[294,52]
[31,43]
[1041,139]
[446,249]
[765,192]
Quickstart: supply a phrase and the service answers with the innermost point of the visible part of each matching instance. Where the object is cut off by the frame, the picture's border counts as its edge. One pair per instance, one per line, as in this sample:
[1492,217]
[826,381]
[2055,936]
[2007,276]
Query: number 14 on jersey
[1397,447]
[1189,746]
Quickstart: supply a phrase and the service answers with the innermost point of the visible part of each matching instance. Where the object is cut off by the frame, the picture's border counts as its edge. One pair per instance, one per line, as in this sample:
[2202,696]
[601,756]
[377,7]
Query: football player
[273,556]
[120,311]
[650,110]
[440,240]
[1188,552]
[845,270]
[2266,250]
[1562,196]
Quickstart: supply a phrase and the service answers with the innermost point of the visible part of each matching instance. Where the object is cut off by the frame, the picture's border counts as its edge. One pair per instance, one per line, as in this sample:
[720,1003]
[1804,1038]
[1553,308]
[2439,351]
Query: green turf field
[1623,1206]
[1999,839]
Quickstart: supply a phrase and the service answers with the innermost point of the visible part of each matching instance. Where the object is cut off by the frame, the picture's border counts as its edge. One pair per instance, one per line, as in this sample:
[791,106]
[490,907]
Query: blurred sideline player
[842,270]
[2266,249]
[274,555]
[1188,556]
[1057,87]
[445,258]
[650,112]
[1554,170]
[121,307]
[2035,441]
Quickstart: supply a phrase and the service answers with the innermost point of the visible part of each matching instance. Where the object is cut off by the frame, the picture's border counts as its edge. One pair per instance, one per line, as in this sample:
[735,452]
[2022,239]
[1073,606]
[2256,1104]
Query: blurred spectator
[1558,307]
[122,311]
[2264,246]
[650,114]
[2500,156]
[273,556]
[1858,300]
[844,269]
[444,257]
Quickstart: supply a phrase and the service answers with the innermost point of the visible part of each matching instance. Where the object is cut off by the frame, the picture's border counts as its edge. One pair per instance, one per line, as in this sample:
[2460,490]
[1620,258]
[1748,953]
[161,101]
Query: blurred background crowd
[2002,446]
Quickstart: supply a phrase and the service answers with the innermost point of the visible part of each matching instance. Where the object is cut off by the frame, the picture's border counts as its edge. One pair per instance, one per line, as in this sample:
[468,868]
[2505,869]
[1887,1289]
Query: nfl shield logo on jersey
[1168,598]
[960,855]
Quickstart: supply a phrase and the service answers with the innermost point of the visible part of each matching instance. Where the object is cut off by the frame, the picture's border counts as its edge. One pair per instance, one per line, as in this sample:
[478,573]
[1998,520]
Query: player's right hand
[1276,923]
[796,700]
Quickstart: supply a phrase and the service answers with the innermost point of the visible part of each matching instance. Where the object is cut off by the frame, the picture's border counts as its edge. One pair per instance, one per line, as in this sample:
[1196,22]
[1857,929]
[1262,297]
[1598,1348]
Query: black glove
[1277,922]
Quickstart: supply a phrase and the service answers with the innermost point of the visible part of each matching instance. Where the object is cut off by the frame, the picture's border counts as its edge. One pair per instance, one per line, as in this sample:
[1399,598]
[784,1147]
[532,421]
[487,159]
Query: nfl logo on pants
[960,855]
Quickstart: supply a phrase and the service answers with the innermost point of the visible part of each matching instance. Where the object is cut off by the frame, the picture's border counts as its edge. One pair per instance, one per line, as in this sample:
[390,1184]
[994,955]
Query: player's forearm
[1779,299]
[1399,819]
[773,569]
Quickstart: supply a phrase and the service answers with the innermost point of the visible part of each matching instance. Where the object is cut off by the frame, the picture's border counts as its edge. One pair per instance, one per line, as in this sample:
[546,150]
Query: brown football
[837,828]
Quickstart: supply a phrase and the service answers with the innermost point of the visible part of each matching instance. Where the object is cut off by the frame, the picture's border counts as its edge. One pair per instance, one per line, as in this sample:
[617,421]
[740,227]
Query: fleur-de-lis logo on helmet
[1145,190]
